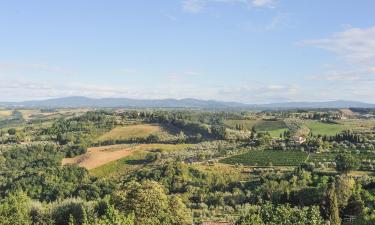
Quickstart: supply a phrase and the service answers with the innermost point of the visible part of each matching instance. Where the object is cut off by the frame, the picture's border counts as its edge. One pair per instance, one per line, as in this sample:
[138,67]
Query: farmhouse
[298,139]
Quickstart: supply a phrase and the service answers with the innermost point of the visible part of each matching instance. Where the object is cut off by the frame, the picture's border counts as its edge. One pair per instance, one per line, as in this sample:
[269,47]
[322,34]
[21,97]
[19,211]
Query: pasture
[329,129]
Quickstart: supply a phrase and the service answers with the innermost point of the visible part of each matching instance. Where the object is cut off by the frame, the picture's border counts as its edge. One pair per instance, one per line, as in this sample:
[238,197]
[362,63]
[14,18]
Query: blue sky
[252,51]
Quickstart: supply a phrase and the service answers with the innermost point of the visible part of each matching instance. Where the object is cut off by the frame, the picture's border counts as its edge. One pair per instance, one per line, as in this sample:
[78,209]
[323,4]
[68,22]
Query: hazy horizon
[248,51]
[180,99]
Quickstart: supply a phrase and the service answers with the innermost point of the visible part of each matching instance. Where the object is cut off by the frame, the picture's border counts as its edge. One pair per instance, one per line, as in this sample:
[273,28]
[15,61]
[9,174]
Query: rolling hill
[79,101]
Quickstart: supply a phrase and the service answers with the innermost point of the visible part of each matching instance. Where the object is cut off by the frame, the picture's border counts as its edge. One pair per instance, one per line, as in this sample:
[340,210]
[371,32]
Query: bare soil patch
[98,156]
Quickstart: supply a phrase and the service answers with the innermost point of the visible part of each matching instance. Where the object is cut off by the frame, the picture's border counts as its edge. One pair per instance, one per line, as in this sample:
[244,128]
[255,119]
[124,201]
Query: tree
[345,187]
[199,137]
[114,217]
[12,131]
[331,205]
[346,163]
[181,137]
[15,209]
[150,204]
[153,138]
[250,219]
[219,131]
[355,206]
[180,215]
[283,214]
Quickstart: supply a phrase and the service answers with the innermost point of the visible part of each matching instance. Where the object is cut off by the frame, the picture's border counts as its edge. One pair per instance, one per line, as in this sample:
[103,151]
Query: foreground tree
[150,204]
[15,209]
[269,214]
[346,163]
[331,206]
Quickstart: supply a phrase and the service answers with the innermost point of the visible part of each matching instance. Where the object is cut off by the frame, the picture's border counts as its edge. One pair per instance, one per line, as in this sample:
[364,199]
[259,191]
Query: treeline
[322,195]
[136,203]
[37,170]
[77,133]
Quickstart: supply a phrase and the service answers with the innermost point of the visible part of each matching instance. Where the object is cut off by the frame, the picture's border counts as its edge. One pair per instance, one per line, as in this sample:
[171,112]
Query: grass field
[358,124]
[248,124]
[27,113]
[276,133]
[268,157]
[329,129]
[275,128]
[131,131]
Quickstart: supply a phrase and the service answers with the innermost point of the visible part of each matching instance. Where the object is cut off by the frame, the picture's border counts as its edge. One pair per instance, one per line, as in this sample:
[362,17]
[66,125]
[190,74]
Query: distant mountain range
[78,101]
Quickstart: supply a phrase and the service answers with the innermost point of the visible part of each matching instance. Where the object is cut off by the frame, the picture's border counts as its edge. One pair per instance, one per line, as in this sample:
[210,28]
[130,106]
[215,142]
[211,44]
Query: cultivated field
[131,131]
[28,113]
[98,156]
[5,113]
[134,161]
[248,124]
[267,158]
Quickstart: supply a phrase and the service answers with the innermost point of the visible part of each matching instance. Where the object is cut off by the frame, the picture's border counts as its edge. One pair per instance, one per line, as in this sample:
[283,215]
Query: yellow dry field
[5,113]
[98,156]
[131,131]
[27,113]
[104,157]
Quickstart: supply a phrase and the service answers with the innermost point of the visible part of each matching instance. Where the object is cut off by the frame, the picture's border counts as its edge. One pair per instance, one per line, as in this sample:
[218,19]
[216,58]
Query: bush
[62,211]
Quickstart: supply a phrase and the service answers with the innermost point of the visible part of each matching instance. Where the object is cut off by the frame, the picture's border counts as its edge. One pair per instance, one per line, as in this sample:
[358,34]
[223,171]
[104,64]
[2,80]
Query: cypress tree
[332,205]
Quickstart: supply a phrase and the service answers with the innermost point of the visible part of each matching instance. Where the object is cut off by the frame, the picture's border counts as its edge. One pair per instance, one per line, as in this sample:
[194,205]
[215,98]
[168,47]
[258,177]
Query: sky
[249,51]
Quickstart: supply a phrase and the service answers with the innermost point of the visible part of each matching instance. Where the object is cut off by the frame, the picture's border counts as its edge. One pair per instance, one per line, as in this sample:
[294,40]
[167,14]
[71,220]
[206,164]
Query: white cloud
[279,21]
[36,67]
[262,3]
[25,89]
[355,45]
[196,6]
[192,6]
[338,76]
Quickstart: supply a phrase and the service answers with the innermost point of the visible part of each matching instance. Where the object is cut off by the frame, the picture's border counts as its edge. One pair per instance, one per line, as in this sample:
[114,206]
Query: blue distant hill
[78,101]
